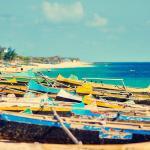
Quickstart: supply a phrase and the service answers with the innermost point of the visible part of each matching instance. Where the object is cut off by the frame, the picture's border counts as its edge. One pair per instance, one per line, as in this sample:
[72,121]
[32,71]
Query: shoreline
[39,66]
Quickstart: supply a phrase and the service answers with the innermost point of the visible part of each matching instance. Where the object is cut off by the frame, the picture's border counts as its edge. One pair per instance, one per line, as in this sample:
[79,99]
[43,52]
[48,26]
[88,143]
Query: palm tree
[10,54]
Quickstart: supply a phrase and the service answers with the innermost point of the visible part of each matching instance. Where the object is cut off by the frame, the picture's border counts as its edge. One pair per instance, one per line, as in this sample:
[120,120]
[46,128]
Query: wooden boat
[24,77]
[24,74]
[86,130]
[63,95]
[18,90]
[133,118]
[116,116]
[8,81]
[27,98]
[35,108]
[34,86]
[86,88]
[43,103]
[75,82]
[12,86]
[113,92]
[66,96]
[35,102]
[11,91]
[102,85]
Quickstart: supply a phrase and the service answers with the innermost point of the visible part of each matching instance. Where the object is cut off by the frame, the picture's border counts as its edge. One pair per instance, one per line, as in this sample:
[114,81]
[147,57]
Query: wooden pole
[67,131]
[45,77]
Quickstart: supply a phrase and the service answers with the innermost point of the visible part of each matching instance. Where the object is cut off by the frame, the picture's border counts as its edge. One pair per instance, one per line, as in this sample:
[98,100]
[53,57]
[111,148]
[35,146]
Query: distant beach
[72,64]
[36,66]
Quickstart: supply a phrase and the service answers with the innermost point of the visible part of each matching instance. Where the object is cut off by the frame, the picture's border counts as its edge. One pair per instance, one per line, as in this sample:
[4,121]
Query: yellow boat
[44,109]
[101,103]
[11,86]
[38,103]
[87,88]
[60,78]
[77,82]
[88,99]
[9,81]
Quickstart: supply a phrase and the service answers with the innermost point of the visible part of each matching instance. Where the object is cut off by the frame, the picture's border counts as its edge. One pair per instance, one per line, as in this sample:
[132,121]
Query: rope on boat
[67,131]
[45,77]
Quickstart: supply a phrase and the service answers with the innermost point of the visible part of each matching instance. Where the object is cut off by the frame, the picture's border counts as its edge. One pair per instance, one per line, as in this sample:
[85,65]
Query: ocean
[134,74]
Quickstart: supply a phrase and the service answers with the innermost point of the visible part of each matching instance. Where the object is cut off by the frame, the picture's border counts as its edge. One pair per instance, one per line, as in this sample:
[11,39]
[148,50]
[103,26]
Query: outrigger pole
[46,79]
[108,79]
[67,131]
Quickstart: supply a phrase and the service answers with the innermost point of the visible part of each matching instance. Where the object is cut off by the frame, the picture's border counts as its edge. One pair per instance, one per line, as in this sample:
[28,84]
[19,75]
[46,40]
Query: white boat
[66,96]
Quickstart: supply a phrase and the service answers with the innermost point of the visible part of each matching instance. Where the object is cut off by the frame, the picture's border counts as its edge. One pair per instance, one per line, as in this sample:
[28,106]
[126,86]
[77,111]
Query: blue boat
[34,86]
[134,118]
[29,127]
[78,109]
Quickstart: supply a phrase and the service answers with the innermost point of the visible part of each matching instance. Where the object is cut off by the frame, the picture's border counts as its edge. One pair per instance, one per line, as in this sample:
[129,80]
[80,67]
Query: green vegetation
[7,54]
[10,55]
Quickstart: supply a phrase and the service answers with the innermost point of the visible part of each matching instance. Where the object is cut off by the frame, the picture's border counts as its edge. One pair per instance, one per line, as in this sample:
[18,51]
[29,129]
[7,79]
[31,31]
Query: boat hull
[22,132]
[30,128]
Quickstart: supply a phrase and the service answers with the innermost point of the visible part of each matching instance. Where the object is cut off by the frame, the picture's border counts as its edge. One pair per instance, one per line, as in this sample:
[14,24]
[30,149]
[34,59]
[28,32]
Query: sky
[92,30]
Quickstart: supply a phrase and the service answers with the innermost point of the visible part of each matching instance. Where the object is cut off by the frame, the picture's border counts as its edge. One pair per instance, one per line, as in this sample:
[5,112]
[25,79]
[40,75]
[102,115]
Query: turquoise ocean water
[134,74]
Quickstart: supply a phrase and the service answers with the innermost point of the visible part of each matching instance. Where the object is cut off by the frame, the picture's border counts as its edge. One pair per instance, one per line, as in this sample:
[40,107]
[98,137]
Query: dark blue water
[134,74]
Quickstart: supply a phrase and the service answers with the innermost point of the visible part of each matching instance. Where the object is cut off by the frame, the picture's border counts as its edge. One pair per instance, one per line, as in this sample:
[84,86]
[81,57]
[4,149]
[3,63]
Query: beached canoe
[86,88]
[66,96]
[31,86]
[77,82]
[34,86]
[24,77]
[24,127]
[11,86]
[44,104]
[41,103]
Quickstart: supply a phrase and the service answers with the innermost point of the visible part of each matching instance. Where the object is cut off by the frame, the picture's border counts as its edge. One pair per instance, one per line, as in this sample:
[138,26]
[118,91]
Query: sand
[72,65]
[61,65]
[38,66]
[6,145]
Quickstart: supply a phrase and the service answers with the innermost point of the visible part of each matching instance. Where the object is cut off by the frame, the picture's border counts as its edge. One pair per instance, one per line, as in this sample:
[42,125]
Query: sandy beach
[71,64]
[28,146]
[36,66]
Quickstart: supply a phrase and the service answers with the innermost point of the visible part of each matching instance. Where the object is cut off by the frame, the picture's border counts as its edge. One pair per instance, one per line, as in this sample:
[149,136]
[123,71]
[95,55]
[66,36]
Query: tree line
[9,54]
